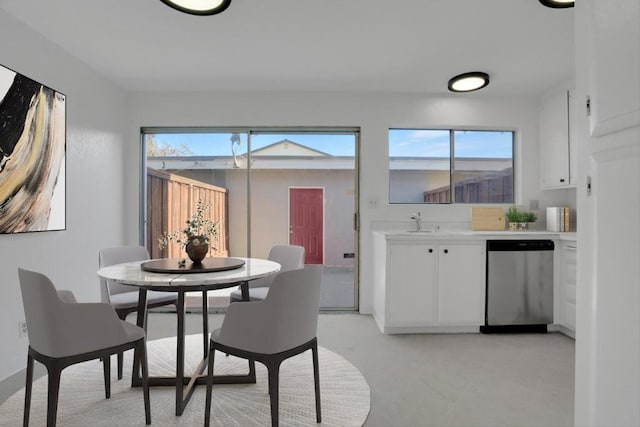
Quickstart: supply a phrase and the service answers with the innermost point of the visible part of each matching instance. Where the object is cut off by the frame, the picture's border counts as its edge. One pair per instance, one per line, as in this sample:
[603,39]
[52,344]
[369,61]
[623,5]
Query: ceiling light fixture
[558,4]
[468,82]
[198,7]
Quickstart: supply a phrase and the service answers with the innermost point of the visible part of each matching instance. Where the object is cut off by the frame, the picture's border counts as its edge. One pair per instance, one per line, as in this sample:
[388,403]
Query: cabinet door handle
[446,251]
[430,250]
[561,179]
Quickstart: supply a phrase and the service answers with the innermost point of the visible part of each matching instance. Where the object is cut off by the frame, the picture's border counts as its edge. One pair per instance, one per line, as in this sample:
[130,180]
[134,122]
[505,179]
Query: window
[450,166]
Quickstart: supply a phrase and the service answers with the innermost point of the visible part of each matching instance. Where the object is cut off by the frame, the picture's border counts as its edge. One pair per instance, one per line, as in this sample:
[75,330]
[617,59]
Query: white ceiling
[312,45]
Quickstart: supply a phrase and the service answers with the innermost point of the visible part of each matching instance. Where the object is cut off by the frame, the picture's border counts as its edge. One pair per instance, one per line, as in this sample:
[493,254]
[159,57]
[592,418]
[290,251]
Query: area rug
[344,392]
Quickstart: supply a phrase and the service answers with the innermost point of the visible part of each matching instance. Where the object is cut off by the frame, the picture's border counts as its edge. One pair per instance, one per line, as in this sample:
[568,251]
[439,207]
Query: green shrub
[514,215]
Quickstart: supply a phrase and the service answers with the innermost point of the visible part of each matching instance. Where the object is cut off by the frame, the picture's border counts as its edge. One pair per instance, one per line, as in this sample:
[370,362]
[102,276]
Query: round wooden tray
[208,265]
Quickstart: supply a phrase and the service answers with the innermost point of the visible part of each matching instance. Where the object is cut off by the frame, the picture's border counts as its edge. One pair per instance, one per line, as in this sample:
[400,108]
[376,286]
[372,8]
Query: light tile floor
[443,380]
[336,293]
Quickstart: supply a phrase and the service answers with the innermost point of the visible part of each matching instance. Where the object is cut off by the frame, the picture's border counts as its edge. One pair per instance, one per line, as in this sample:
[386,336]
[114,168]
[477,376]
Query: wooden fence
[171,200]
[496,187]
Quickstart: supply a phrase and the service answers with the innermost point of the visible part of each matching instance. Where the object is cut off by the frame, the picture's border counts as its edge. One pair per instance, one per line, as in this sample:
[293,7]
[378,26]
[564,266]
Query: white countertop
[479,235]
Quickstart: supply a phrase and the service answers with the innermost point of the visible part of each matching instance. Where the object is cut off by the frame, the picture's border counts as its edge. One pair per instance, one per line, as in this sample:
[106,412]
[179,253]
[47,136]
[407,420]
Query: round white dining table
[132,274]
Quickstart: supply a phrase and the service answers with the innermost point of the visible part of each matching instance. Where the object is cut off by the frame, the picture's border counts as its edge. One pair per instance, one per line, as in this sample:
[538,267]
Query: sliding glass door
[268,187]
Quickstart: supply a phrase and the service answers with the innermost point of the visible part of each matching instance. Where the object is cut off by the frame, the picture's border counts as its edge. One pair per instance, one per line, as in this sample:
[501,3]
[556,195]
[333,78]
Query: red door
[306,222]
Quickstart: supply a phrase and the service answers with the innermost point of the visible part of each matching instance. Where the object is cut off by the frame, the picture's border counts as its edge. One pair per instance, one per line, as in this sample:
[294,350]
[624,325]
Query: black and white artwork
[32,155]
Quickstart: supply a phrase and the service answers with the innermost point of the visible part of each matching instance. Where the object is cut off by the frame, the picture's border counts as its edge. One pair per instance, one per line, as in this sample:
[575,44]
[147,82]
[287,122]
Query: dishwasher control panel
[520,245]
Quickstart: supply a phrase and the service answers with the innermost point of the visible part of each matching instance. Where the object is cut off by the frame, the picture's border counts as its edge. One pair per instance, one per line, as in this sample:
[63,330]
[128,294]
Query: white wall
[374,114]
[94,181]
[608,292]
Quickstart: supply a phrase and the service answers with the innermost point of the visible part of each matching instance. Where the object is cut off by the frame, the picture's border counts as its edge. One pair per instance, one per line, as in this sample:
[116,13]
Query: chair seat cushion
[130,299]
[255,294]
[134,333]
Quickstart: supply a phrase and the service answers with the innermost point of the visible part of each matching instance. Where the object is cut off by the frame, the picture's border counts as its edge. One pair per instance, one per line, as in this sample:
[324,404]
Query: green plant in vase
[519,220]
[196,236]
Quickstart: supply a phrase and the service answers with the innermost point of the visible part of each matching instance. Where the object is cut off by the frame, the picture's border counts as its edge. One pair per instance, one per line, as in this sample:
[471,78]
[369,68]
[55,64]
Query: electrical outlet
[22,329]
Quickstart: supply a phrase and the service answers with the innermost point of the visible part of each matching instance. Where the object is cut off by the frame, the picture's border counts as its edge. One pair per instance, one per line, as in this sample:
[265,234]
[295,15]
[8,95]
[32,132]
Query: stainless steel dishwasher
[519,286]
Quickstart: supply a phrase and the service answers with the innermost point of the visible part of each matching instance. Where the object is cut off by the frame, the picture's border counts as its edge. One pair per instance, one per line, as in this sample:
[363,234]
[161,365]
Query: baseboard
[513,329]
[430,329]
[564,331]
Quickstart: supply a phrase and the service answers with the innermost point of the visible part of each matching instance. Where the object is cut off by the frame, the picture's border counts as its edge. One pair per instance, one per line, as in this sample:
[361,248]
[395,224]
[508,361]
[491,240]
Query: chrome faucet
[417,217]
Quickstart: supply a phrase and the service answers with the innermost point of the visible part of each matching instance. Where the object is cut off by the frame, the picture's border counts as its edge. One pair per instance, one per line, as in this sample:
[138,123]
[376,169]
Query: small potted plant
[519,220]
[195,237]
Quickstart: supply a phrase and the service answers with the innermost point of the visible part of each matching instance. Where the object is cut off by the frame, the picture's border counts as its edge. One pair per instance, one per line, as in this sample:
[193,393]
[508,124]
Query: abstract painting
[32,155]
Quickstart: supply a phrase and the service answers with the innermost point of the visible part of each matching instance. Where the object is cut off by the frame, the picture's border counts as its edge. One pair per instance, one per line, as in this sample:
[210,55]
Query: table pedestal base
[185,385]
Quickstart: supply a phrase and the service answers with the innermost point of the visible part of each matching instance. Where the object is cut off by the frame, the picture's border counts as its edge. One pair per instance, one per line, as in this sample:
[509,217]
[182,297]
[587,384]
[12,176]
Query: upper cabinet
[556,142]
[614,66]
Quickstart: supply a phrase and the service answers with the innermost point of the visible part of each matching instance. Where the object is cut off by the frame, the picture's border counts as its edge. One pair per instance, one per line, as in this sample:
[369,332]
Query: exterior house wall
[411,185]
[270,215]
[285,148]
[270,209]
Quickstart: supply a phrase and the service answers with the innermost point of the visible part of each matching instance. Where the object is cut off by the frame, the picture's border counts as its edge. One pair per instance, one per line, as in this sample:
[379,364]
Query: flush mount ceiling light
[468,82]
[558,4]
[198,7]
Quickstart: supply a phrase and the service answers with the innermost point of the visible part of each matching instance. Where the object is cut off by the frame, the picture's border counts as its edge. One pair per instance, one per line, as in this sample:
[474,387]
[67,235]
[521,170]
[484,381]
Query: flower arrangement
[198,231]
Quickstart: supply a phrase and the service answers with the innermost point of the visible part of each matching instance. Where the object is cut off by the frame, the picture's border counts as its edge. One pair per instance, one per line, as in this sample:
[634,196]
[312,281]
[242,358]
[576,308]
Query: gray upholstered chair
[124,299]
[63,332]
[290,257]
[271,331]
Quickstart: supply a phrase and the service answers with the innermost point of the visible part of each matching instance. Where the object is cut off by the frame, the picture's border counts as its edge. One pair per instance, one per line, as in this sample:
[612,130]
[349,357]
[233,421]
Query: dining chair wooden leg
[142,350]
[207,402]
[27,391]
[316,380]
[106,371]
[53,391]
[273,367]
[122,315]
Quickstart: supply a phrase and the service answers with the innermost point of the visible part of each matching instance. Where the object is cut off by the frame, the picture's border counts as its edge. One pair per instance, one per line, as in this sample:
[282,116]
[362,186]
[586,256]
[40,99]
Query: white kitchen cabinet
[556,143]
[461,281]
[569,283]
[412,294]
[565,287]
[614,66]
[428,286]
